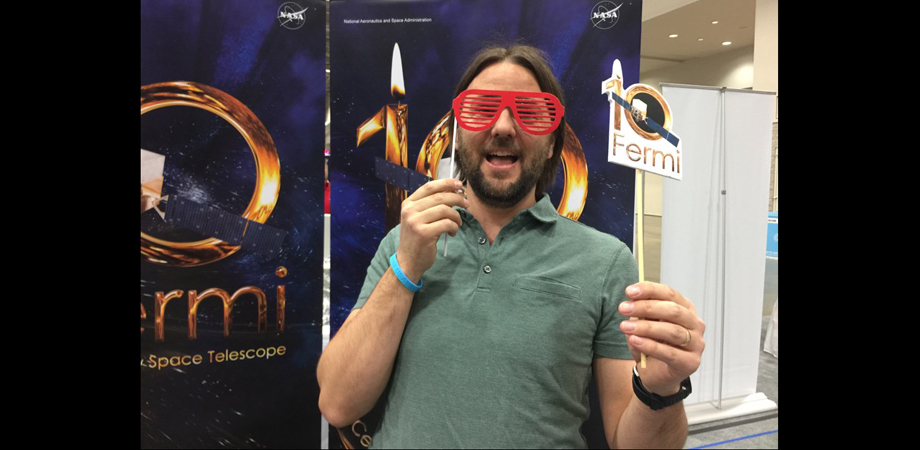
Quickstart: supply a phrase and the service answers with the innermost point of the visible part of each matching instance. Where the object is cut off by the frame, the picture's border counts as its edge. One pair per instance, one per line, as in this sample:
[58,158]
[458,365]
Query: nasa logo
[290,15]
[605,15]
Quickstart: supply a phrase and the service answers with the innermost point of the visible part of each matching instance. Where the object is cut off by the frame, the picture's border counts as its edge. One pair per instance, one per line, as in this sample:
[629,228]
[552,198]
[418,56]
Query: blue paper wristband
[402,277]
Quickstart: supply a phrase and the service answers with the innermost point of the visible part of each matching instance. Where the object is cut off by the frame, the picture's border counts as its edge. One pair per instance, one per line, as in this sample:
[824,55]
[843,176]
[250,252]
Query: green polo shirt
[500,339]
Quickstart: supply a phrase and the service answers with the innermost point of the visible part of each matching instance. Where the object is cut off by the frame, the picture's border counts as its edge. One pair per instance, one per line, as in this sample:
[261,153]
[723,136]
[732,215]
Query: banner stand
[717,258]
[729,408]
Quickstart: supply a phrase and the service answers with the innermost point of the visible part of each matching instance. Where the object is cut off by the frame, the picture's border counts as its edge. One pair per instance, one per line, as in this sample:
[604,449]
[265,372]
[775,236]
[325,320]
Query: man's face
[503,163]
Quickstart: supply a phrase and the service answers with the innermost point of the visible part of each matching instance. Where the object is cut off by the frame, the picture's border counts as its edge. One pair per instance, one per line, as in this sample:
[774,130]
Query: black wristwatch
[655,401]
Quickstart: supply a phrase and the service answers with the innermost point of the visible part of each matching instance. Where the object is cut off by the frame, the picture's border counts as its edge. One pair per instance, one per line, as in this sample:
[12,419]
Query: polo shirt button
[482,240]
[487,269]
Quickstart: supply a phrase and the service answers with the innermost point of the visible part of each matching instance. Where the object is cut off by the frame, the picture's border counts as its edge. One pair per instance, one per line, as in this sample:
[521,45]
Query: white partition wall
[713,236]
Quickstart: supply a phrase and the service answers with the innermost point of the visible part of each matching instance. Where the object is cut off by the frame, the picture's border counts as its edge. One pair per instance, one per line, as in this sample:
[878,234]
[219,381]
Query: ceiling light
[672,36]
[700,39]
[715,22]
[727,43]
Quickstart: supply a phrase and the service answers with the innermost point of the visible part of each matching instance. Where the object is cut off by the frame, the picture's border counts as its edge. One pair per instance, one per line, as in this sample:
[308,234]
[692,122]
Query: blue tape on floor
[739,439]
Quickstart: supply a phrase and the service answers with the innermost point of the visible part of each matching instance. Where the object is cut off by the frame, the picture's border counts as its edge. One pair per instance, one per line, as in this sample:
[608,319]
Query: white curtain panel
[713,232]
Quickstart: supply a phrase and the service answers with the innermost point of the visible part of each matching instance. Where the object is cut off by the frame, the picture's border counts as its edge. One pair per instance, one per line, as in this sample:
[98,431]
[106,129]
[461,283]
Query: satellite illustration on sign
[645,141]
[225,232]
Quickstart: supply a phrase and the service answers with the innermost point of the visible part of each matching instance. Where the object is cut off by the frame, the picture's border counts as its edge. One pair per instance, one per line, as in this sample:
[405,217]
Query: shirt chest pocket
[546,286]
[549,313]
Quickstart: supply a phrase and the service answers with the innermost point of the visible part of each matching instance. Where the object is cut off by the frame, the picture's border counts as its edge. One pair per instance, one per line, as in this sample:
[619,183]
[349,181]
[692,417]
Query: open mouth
[501,158]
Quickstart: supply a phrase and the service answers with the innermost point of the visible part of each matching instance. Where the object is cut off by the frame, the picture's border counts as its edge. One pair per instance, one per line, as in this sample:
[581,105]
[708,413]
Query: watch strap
[657,402]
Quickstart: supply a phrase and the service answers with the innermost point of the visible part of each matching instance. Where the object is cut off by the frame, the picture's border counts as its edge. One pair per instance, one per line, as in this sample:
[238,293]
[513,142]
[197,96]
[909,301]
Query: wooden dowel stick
[640,234]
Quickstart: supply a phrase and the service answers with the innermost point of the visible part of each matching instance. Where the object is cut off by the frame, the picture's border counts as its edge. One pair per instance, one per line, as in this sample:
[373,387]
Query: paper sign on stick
[640,123]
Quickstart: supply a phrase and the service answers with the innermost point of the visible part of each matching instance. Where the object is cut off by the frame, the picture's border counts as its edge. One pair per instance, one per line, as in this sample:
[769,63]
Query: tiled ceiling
[692,21]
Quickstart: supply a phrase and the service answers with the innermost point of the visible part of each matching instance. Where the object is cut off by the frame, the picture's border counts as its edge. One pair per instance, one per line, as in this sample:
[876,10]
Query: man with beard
[494,344]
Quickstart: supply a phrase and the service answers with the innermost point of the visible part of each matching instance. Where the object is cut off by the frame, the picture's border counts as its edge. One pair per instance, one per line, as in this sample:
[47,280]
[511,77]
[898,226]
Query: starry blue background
[238,47]
[434,55]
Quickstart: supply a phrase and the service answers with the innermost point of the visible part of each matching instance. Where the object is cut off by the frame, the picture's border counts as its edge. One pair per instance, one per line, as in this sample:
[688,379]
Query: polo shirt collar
[543,210]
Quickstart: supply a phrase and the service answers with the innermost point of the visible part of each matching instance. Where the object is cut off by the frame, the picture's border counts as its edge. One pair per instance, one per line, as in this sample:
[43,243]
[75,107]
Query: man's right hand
[426,215]
[356,366]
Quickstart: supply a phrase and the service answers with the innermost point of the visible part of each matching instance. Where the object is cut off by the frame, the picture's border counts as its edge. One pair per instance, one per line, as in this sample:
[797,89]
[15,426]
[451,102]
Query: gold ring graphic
[574,165]
[268,168]
[575,168]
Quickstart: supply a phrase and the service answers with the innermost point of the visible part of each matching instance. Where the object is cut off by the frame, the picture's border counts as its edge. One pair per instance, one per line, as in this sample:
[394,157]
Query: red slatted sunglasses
[537,113]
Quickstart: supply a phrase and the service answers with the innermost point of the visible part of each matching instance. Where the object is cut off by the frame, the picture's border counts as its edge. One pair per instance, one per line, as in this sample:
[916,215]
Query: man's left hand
[668,332]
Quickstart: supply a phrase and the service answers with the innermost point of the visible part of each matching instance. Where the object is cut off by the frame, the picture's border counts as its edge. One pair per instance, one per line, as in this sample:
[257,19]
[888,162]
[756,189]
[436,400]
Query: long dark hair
[537,62]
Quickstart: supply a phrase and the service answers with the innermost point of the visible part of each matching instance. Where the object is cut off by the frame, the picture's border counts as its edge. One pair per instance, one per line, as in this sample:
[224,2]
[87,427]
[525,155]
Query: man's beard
[492,194]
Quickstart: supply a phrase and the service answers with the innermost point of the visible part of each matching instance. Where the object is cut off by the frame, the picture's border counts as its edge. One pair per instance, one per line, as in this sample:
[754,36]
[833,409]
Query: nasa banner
[432,42]
[394,68]
[232,138]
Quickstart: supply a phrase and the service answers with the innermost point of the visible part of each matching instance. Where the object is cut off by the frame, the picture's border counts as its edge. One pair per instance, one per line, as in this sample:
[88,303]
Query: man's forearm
[355,367]
[641,427]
